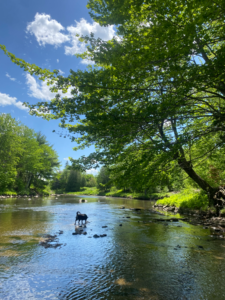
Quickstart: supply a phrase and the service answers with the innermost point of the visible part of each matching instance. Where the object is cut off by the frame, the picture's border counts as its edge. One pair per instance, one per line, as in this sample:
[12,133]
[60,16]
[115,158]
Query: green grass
[117,193]
[8,193]
[134,195]
[222,211]
[86,191]
[45,192]
[186,199]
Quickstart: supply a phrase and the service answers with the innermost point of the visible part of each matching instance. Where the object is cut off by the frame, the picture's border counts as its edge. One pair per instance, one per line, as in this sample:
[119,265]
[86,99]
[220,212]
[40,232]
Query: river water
[142,259]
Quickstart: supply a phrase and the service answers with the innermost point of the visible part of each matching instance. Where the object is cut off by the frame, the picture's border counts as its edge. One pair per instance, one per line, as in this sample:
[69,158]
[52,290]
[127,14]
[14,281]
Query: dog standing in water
[81,217]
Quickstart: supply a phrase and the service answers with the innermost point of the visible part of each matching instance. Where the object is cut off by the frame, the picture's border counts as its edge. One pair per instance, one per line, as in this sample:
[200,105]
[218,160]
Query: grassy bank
[28,192]
[186,199]
[8,193]
[118,193]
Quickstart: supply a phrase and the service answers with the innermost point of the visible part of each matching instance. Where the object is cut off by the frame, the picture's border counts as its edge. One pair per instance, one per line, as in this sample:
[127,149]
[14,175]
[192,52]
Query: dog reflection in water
[81,217]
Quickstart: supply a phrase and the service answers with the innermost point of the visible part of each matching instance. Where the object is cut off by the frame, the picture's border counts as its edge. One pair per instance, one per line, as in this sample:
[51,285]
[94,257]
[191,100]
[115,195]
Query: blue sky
[44,33]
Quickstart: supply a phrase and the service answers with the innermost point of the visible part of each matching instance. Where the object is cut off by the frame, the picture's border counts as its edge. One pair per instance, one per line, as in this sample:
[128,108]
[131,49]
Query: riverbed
[136,257]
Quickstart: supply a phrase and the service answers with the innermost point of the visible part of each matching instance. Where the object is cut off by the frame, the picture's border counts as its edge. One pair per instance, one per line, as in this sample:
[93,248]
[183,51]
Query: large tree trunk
[187,167]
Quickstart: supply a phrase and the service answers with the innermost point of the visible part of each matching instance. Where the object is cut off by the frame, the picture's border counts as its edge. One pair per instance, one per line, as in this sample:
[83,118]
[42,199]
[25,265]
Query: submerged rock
[200,247]
[82,200]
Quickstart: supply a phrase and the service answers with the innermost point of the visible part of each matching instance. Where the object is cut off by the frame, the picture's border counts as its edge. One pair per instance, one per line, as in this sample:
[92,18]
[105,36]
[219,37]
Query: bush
[187,199]
[8,193]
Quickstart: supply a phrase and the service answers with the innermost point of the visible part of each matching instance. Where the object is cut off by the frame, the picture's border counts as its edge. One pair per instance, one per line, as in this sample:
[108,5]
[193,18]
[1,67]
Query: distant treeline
[70,180]
[27,161]
[134,177]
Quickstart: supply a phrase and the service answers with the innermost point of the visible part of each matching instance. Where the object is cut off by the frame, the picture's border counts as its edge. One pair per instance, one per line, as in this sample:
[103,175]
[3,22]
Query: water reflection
[142,259]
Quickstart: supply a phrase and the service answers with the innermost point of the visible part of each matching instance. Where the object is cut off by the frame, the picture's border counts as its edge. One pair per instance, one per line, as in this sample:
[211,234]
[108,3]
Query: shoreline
[207,219]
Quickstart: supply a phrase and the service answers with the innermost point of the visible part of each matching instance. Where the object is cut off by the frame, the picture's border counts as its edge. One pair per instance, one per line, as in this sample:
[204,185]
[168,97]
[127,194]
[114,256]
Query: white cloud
[61,72]
[87,62]
[49,31]
[7,75]
[42,90]
[46,30]
[57,60]
[84,28]
[66,158]
[92,171]
[5,99]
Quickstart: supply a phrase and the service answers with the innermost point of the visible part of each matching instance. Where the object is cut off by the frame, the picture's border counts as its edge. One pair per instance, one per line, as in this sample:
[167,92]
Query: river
[139,258]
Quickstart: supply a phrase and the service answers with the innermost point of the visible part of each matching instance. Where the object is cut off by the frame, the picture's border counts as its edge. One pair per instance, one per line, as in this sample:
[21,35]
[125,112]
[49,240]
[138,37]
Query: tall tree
[10,150]
[25,157]
[159,86]
[74,181]
[103,178]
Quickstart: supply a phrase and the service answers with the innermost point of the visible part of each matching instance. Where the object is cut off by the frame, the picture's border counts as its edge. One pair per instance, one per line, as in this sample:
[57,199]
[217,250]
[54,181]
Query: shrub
[8,193]
[187,198]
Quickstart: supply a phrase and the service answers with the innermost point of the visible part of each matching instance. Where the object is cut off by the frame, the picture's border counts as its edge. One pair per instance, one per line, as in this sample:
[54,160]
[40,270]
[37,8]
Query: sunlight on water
[119,254]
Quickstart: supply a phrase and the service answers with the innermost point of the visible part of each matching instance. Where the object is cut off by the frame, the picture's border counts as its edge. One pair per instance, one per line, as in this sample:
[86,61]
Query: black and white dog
[81,217]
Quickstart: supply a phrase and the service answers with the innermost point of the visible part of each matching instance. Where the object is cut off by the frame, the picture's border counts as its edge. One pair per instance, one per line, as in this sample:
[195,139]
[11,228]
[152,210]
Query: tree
[49,159]
[103,178]
[10,149]
[26,158]
[157,88]
[74,181]
[90,180]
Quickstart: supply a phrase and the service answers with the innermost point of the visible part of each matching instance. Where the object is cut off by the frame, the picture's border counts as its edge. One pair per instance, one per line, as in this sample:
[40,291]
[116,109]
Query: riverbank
[20,196]
[206,218]
[15,195]
[121,194]
[193,204]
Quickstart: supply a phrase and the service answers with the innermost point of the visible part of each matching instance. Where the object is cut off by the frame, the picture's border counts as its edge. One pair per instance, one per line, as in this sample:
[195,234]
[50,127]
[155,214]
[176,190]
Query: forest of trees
[27,161]
[153,102]
[69,180]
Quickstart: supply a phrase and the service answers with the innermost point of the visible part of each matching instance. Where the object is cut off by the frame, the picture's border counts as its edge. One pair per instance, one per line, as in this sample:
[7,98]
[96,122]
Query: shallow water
[141,259]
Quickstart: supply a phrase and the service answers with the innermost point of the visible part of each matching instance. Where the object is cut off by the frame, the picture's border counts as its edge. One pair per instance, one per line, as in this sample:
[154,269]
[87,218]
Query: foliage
[90,180]
[135,172]
[10,193]
[156,90]
[70,180]
[10,148]
[186,199]
[27,161]
[74,181]
[118,193]
[103,179]
[86,191]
